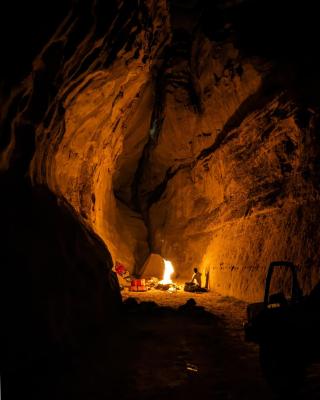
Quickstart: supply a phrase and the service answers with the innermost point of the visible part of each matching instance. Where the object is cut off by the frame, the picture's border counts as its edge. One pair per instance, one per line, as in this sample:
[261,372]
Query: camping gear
[138,285]
[194,288]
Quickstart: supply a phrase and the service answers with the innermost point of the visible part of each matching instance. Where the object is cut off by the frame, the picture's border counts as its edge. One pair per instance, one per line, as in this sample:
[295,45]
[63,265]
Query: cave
[137,131]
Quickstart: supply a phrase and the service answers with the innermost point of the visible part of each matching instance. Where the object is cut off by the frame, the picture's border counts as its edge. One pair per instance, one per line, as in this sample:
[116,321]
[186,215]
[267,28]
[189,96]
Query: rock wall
[87,106]
[252,200]
[175,129]
[231,181]
[57,287]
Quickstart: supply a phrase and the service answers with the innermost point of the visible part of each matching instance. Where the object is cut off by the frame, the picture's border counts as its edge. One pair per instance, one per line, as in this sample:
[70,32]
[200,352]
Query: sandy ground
[158,351]
[241,367]
[231,310]
[194,355]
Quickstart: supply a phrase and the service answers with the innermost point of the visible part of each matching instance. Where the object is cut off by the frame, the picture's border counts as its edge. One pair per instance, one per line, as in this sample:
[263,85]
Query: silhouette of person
[196,277]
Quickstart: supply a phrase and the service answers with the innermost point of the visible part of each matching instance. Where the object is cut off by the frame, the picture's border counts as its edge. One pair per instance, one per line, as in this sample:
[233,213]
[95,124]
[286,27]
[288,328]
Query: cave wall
[57,287]
[86,110]
[231,178]
[252,200]
[95,148]
[186,132]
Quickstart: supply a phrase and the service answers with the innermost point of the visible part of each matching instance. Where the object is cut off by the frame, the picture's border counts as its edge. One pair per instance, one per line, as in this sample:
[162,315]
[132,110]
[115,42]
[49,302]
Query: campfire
[145,284]
[168,271]
[166,283]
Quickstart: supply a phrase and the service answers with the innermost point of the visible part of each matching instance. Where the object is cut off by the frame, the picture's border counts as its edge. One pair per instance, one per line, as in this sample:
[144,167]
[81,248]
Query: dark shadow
[289,344]
[57,288]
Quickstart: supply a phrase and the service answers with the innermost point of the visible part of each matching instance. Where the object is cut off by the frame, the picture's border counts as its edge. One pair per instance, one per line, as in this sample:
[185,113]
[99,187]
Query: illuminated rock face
[90,98]
[251,201]
[164,140]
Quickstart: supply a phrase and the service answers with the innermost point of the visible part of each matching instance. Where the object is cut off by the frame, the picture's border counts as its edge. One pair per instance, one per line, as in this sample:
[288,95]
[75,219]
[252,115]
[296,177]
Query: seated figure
[196,277]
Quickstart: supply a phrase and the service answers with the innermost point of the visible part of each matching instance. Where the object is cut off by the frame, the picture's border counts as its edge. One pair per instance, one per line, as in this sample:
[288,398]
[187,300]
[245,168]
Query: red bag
[120,269]
[138,282]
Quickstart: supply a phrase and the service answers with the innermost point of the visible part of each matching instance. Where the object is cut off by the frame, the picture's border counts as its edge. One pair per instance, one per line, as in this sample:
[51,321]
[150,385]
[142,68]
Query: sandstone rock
[153,267]
[244,205]
[167,136]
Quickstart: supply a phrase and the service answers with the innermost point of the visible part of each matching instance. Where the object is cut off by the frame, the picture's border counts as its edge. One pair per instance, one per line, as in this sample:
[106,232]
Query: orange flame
[168,271]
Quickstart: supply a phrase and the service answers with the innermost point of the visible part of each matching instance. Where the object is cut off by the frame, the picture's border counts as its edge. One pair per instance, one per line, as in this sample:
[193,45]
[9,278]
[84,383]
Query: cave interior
[138,131]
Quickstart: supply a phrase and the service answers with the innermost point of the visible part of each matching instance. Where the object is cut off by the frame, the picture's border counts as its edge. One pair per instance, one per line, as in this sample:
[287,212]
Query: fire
[168,271]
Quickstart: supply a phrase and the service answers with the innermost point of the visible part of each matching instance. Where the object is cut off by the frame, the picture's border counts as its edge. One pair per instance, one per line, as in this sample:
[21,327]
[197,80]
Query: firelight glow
[168,270]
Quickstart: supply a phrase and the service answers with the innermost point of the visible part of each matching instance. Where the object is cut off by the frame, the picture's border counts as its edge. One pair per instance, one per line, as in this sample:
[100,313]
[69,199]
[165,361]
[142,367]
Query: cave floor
[159,352]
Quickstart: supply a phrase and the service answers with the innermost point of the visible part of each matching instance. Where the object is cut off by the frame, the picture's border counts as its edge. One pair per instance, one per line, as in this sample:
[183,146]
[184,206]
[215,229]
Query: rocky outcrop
[88,103]
[252,200]
[57,285]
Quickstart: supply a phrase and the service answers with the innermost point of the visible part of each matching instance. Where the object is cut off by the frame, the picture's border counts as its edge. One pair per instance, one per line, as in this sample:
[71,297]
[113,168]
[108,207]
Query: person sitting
[195,284]
[196,277]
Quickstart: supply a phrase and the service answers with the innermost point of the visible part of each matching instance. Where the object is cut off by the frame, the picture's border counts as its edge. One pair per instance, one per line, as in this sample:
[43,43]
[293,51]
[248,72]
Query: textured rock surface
[169,135]
[89,100]
[253,200]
